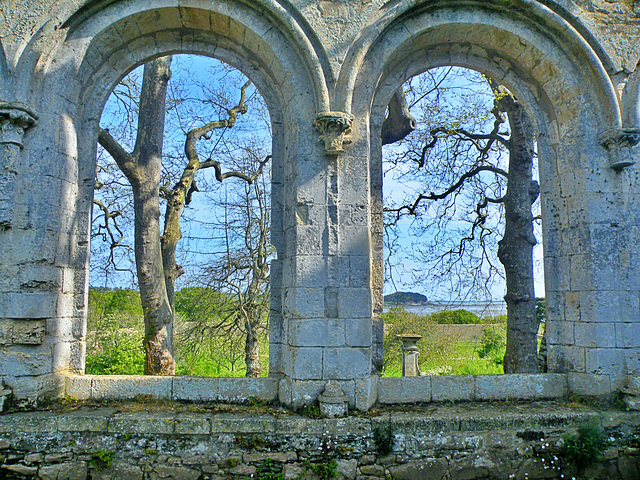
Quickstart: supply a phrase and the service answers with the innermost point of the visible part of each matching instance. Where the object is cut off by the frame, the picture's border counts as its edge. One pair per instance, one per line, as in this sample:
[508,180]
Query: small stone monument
[333,402]
[410,354]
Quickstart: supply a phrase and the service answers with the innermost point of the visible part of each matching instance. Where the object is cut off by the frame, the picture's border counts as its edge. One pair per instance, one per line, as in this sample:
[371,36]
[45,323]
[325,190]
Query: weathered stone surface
[106,387]
[432,469]
[118,471]
[404,389]
[338,63]
[453,388]
[21,469]
[66,471]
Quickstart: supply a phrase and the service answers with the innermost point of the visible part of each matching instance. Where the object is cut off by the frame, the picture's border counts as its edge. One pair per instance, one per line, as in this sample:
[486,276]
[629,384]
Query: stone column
[15,120]
[327,309]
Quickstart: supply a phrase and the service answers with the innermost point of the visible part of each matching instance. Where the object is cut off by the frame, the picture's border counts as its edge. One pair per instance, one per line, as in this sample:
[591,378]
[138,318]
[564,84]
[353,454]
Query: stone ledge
[429,419]
[403,390]
[192,389]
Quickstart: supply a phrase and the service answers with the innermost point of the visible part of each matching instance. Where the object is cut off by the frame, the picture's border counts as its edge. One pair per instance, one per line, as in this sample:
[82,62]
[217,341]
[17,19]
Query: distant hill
[403,298]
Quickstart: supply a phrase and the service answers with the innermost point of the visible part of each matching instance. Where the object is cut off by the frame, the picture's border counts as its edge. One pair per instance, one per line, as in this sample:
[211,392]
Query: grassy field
[453,342]
[446,348]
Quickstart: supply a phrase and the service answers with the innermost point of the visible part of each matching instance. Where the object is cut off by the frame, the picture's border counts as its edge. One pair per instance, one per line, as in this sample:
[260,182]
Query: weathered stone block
[430,469]
[192,424]
[302,363]
[118,471]
[243,389]
[195,389]
[359,271]
[346,363]
[560,333]
[78,386]
[231,423]
[354,302]
[609,361]
[142,423]
[30,422]
[28,332]
[175,473]
[366,392]
[105,387]
[304,302]
[22,360]
[317,332]
[358,332]
[300,392]
[627,335]
[404,389]
[589,383]
[595,334]
[34,305]
[452,387]
[30,389]
[6,331]
[83,421]
[520,386]
[565,359]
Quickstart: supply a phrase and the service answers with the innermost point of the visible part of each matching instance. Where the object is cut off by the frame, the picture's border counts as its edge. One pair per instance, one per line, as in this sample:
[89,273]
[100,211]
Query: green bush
[587,446]
[116,352]
[492,345]
[458,317]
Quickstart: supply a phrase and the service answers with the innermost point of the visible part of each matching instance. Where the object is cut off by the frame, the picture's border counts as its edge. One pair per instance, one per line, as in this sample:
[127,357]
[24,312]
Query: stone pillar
[327,309]
[26,364]
[15,120]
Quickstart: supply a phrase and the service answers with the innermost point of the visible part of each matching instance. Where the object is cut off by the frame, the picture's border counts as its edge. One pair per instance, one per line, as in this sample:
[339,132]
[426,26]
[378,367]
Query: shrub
[115,351]
[587,446]
[492,346]
[457,317]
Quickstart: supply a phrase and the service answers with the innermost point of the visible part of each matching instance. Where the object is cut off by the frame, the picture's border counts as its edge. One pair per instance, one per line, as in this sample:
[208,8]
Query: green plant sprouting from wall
[101,459]
[325,470]
[383,439]
[587,446]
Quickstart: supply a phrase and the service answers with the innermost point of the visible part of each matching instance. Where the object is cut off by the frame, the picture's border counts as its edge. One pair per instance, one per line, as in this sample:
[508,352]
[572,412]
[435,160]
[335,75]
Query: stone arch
[77,77]
[544,61]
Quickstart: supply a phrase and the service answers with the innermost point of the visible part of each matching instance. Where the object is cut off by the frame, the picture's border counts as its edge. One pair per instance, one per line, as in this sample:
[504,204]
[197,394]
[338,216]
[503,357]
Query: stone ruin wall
[327,70]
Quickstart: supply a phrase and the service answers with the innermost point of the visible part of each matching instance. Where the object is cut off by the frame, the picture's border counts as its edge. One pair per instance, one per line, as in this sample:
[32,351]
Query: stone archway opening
[214,204]
[444,197]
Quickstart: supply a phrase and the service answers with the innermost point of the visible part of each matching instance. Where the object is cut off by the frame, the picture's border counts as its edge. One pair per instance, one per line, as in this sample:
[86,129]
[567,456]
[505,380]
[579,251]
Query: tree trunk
[142,168]
[147,154]
[515,250]
[252,350]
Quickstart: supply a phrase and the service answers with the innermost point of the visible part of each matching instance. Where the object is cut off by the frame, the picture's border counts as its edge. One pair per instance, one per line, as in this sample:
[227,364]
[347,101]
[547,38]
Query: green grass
[117,350]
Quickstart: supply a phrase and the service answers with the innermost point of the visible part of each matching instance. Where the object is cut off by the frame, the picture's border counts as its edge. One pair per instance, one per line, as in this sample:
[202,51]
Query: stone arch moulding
[545,62]
[72,82]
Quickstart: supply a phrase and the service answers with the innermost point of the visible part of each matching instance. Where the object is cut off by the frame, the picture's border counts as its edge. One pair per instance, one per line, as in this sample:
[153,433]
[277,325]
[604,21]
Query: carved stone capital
[15,120]
[334,128]
[619,144]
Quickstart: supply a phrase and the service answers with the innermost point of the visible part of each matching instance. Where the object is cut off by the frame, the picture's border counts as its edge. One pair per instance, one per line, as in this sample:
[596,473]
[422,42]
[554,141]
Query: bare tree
[241,273]
[162,252]
[142,167]
[475,161]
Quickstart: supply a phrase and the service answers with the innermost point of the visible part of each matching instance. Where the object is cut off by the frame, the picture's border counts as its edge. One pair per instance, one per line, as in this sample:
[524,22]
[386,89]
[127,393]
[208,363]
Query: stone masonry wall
[151,440]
